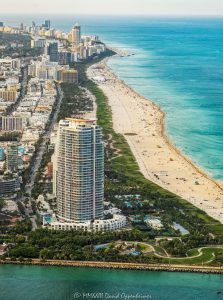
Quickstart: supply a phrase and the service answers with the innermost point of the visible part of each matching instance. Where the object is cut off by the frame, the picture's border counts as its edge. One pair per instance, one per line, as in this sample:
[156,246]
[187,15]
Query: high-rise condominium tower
[47,24]
[79,170]
[51,49]
[75,35]
[12,157]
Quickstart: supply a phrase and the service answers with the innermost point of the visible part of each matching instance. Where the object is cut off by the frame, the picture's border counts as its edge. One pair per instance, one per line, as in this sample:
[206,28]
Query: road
[23,90]
[43,146]
[32,218]
[40,152]
[33,221]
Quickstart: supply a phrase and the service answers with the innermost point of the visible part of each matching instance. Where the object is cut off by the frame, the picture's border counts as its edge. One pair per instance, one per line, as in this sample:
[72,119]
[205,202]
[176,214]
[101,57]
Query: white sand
[158,159]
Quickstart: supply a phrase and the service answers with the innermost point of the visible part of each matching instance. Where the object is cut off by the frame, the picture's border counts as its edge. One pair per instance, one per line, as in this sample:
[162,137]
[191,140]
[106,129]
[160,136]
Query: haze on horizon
[113,7]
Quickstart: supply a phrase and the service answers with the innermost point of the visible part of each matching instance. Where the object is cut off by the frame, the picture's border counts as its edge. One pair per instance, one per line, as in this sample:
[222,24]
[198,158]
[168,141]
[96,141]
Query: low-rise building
[154,223]
[8,186]
[9,95]
[69,76]
[10,206]
[38,43]
[115,223]
[10,123]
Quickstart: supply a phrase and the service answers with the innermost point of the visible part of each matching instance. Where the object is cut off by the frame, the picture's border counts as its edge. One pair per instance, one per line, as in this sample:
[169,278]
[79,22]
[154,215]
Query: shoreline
[163,130]
[119,266]
[166,137]
[114,87]
[184,156]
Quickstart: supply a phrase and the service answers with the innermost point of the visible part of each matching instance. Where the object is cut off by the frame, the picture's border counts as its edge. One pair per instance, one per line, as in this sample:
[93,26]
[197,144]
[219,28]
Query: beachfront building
[78,179]
[117,222]
[75,36]
[79,171]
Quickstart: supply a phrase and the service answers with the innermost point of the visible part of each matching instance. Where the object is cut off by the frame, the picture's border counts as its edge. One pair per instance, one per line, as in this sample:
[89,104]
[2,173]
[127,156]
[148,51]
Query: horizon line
[113,15]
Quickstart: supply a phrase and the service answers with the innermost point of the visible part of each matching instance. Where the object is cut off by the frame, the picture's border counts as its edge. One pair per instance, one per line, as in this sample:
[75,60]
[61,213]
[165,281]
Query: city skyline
[124,7]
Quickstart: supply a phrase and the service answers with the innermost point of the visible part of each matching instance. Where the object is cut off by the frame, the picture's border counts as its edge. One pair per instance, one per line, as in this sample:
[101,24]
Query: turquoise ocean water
[61,283]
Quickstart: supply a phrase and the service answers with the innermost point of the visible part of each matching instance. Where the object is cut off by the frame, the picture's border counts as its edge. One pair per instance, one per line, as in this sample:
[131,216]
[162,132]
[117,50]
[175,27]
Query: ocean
[61,283]
[177,63]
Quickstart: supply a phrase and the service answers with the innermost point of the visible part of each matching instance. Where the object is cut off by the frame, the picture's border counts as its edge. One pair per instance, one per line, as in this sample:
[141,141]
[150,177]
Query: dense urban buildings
[77,167]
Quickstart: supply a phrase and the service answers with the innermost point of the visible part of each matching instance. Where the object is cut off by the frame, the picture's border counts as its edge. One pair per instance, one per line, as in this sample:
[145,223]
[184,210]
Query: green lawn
[159,250]
[207,256]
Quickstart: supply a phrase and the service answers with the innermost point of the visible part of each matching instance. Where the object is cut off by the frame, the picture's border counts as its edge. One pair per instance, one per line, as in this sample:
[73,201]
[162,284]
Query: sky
[113,7]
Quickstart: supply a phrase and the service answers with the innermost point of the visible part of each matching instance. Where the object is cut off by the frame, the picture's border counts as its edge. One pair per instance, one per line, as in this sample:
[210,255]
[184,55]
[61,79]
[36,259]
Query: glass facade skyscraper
[51,49]
[79,170]
[12,157]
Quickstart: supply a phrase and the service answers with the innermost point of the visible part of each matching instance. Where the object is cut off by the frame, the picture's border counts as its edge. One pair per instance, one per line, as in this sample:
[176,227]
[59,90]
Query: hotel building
[75,35]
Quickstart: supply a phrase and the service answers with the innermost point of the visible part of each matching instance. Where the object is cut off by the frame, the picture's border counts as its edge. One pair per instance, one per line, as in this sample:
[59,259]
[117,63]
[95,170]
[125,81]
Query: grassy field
[205,257]
[196,256]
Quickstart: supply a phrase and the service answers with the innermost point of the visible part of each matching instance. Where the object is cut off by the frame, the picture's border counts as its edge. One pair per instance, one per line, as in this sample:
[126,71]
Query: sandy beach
[158,159]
